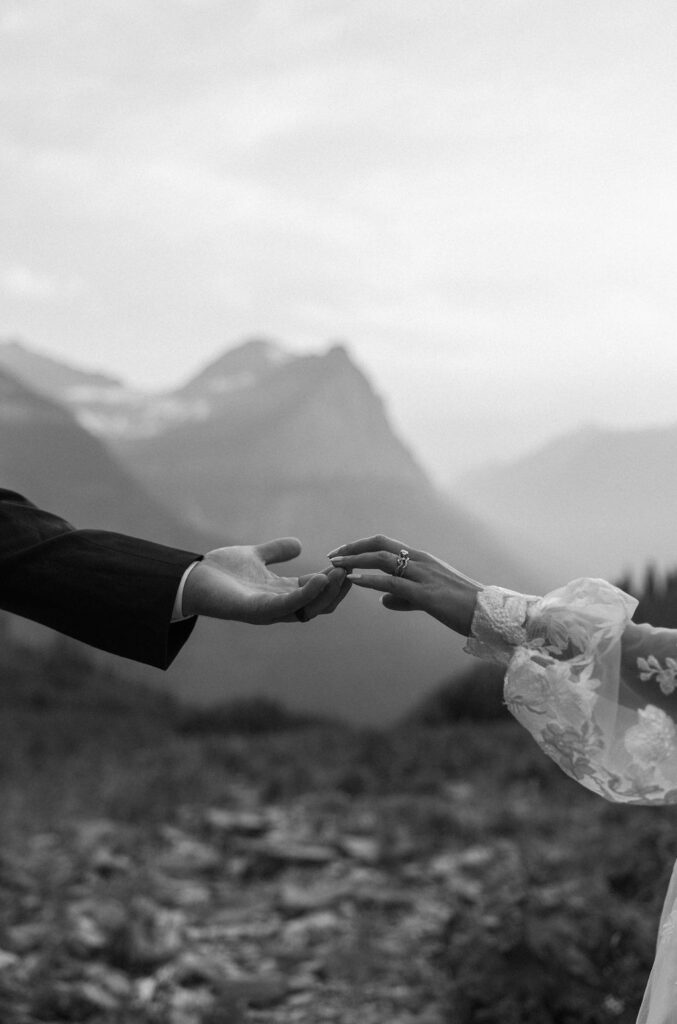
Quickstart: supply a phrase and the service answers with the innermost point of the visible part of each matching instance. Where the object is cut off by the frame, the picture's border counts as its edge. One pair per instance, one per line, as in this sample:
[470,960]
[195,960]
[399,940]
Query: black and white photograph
[338,530]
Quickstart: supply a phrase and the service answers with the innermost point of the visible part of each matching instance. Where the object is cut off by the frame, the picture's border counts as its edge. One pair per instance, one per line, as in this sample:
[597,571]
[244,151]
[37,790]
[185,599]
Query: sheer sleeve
[597,693]
[594,689]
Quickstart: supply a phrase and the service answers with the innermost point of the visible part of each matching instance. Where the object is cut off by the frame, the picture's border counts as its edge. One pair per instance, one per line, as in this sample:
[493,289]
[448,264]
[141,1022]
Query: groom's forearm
[114,592]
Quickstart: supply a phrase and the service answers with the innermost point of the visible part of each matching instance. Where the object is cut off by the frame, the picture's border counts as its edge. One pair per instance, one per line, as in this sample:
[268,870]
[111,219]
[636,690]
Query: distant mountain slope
[263,443]
[47,456]
[50,376]
[595,502]
[100,403]
[302,445]
[305,447]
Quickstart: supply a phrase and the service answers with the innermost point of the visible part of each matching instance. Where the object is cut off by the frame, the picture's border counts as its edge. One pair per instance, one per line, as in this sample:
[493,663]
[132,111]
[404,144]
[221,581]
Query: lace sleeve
[593,688]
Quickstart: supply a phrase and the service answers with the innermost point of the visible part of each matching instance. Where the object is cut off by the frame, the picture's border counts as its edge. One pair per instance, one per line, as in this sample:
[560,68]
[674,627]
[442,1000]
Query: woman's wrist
[471,612]
[499,624]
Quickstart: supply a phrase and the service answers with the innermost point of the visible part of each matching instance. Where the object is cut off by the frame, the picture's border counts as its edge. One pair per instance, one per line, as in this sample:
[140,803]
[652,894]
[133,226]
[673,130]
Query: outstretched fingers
[396,604]
[376,543]
[330,598]
[344,586]
[282,549]
[283,605]
[386,561]
[399,587]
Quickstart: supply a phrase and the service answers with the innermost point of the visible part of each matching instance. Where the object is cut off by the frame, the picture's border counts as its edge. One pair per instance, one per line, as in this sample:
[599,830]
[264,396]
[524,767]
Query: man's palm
[236,583]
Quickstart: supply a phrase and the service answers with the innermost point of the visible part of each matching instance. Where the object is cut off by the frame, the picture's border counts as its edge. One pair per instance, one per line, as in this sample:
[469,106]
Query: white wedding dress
[595,690]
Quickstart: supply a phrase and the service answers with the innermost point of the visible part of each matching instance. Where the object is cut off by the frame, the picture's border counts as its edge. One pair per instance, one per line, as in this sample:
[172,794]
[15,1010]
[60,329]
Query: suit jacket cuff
[106,589]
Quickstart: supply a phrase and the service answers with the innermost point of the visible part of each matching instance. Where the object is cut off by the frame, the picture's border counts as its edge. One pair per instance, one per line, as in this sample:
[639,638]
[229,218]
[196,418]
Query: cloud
[481,189]
[21,282]
[19,19]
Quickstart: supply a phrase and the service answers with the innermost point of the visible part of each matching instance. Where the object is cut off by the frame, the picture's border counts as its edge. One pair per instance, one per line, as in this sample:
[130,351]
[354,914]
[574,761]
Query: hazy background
[478,197]
[456,220]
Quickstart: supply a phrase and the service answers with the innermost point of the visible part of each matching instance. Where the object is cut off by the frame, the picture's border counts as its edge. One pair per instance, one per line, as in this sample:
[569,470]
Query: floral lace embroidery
[563,659]
[574,750]
[652,739]
[665,677]
[499,624]
[543,686]
[563,695]
[579,748]
[650,742]
[571,680]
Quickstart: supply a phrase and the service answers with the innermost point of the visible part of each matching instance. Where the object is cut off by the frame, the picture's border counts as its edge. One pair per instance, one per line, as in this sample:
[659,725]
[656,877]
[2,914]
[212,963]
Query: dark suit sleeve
[106,589]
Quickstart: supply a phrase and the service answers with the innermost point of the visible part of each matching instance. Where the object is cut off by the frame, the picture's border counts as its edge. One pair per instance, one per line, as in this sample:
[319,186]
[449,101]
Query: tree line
[657,595]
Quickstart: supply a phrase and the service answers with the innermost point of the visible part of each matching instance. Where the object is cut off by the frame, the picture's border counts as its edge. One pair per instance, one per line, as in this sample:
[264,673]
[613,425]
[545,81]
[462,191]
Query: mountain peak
[238,367]
[254,352]
[338,352]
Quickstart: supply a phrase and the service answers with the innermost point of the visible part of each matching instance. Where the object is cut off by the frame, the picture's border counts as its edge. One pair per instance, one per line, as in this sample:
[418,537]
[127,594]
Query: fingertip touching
[316,583]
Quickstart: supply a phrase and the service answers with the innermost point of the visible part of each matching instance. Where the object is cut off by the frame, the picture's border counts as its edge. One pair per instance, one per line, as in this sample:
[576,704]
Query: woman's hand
[410,579]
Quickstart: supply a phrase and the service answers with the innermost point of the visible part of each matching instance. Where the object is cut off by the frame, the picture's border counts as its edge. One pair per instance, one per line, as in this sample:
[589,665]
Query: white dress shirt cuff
[177,611]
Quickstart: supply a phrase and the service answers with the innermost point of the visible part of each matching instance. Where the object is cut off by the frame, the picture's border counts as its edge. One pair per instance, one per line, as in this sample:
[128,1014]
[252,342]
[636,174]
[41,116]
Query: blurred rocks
[152,934]
[7,959]
[283,853]
[299,899]
[222,820]
[187,856]
[362,848]
[292,902]
[228,913]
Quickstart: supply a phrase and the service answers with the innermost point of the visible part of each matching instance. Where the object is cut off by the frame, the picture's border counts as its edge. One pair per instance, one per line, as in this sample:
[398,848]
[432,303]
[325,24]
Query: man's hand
[235,583]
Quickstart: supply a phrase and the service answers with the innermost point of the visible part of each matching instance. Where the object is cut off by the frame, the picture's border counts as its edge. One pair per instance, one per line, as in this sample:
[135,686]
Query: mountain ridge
[46,455]
[305,449]
[248,361]
[583,504]
[47,375]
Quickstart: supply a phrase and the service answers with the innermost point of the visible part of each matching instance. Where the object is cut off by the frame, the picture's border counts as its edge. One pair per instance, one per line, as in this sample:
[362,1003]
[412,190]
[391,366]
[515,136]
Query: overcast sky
[478,196]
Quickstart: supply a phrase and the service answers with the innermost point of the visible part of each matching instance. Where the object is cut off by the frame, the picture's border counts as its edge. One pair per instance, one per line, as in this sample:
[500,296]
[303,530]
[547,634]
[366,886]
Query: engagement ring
[402,562]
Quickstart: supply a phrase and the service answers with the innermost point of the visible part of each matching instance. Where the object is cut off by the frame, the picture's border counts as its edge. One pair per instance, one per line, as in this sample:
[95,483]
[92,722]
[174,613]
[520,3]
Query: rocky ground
[311,908]
[321,875]
[295,913]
